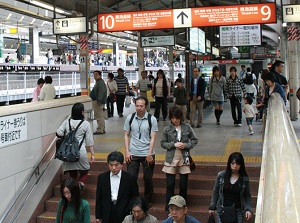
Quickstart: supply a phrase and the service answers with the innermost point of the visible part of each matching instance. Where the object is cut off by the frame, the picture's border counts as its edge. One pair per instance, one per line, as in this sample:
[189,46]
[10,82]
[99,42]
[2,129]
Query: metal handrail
[279,187]
[35,172]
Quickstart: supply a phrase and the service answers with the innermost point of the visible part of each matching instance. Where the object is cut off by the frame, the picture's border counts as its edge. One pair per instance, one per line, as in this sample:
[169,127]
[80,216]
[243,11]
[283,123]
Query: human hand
[211,212]
[98,220]
[199,98]
[149,159]
[179,145]
[92,158]
[128,157]
[248,215]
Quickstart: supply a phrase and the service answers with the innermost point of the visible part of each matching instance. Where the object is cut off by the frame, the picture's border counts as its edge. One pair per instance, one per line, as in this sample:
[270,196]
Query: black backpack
[68,150]
[149,121]
[249,78]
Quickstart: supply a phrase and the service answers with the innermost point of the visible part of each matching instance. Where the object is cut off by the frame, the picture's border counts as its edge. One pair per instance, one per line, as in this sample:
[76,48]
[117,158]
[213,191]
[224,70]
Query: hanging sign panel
[189,17]
[69,25]
[157,41]
[247,35]
[291,13]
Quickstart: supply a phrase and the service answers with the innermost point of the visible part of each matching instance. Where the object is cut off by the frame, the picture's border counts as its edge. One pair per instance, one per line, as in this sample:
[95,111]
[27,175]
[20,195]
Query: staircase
[200,186]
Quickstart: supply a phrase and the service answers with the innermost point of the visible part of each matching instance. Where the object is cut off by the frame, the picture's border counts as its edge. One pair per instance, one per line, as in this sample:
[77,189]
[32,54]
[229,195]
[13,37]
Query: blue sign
[72,47]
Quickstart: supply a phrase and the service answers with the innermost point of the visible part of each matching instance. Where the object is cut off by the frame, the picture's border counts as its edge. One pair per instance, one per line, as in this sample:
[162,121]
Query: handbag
[228,214]
[112,96]
[192,163]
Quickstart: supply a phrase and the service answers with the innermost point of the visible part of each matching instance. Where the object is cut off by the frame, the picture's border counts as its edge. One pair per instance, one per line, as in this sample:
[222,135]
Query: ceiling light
[21,18]
[32,21]
[284,24]
[9,15]
[43,23]
[49,7]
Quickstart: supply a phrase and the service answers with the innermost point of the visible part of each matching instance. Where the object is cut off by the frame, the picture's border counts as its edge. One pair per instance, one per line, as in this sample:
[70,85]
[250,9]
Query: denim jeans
[133,168]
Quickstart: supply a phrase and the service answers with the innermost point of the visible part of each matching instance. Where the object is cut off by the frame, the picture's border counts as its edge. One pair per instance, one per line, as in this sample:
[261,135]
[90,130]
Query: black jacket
[200,88]
[128,189]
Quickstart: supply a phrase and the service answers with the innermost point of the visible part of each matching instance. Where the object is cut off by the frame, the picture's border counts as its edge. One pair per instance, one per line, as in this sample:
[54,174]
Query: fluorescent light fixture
[43,23]
[49,7]
[32,21]
[9,15]
[21,18]
[284,24]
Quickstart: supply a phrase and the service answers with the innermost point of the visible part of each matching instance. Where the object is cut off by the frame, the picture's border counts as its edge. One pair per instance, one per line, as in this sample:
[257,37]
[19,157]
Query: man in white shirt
[115,189]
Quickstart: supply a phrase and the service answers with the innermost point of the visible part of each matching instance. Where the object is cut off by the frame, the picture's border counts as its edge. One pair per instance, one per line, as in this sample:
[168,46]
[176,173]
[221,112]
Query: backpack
[249,78]
[68,150]
[149,121]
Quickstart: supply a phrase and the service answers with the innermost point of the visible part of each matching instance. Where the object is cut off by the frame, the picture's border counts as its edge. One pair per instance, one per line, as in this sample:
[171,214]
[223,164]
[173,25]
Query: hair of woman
[40,81]
[139,201]
[73,186]
[110,75]
[160,71]
[215,68]
[239,159]
[176,112]
[77,111]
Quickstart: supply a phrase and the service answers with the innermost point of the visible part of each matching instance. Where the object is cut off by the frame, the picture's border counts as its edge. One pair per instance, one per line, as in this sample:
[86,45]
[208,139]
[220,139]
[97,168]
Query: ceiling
[90,8]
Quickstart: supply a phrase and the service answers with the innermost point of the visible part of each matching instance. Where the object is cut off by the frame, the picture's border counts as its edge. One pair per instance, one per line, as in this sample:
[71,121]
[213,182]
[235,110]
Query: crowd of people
[117,195]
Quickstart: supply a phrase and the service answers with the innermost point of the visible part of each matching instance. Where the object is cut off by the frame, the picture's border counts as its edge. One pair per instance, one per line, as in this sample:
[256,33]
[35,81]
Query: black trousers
[183,183]
[161,102]
[120,103]
[133,168]
[236,104]
[110,106]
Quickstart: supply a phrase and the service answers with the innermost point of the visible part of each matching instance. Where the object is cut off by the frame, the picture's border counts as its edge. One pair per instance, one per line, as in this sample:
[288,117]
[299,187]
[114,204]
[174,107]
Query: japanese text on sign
[13,129]
[247,35]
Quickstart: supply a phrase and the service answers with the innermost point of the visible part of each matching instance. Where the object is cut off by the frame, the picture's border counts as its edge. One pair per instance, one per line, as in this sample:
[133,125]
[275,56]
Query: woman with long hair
[161,91]
[84,136]
[216,92]
[178,139]
[232,189]
[139,208]
[112,87]
[71,207]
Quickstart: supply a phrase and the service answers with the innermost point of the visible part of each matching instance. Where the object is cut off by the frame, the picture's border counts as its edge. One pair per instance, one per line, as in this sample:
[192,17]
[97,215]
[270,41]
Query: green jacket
[180,95]
[101,91]
[69,214]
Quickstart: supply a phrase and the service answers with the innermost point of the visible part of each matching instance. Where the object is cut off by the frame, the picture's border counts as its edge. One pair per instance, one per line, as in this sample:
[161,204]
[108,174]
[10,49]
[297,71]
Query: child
[180,95]
[248,109]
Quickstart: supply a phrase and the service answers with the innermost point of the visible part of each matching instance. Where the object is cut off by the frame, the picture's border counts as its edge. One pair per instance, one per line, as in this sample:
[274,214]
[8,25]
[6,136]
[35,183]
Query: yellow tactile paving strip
[233,145]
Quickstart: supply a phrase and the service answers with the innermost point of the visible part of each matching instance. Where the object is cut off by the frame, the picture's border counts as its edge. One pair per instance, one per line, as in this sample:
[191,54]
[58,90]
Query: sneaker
[251,132]
[98,133]
[199,126]
[192,125]
[239,125]
[218,123]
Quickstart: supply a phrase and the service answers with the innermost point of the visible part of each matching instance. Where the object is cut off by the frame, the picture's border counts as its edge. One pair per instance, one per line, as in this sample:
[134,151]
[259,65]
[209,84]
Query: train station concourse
[68,43]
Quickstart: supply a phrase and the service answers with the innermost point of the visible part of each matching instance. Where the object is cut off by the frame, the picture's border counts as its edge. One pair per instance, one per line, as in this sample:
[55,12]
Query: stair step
[201,169]
[50,217]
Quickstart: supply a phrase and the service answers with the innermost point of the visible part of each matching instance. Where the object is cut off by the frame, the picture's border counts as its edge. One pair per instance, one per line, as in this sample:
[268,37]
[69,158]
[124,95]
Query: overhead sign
[246,35]
[291,13]
[69,25]
[197,40]
[157,41]
[189,17]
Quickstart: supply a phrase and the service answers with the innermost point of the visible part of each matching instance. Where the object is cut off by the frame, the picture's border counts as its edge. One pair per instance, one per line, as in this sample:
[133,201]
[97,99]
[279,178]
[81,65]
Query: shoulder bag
[112,96]
[228,214]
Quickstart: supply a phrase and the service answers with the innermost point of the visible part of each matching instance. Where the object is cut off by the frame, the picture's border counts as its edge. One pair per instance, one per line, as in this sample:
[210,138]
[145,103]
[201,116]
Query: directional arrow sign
[182,18]
[157,41]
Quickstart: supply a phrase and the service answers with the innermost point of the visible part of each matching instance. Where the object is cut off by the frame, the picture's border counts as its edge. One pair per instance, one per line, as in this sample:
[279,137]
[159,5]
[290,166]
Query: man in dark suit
[115,188]
[196,97]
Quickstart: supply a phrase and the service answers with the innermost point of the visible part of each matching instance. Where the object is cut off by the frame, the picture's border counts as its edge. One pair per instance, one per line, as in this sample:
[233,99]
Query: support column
[84,66]
[171,62]
[140,55]
[1,45]
[116,54]
[33,49]
[293,64]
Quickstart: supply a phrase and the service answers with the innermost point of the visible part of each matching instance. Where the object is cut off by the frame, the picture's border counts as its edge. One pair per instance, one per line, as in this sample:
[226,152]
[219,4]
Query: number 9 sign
[266,11]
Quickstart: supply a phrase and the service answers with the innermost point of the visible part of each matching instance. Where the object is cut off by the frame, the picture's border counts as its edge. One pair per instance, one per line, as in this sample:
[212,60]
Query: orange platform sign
[262,13]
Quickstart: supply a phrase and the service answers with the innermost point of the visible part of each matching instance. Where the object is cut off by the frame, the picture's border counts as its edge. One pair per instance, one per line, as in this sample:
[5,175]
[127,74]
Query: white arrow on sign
[182,18]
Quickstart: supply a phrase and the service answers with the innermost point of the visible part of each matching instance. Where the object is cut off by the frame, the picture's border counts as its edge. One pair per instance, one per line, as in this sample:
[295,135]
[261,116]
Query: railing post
[75,74]
[25,89]
[72,94]
[7,90]
[58,96]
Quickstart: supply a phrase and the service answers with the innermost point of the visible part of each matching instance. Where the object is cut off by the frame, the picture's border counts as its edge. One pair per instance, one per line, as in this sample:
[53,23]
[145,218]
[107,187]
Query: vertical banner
[84,66]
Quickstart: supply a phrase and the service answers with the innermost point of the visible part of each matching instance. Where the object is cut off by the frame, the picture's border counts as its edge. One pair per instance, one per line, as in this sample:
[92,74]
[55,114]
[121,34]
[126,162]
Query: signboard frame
[243,14]
[234,33]
[68,32]
[290,18]
[171,38]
